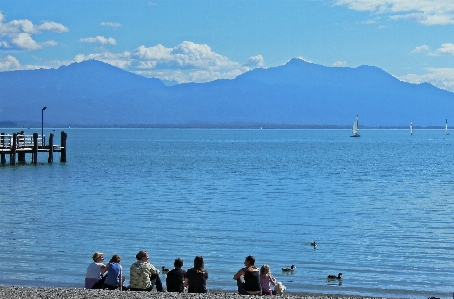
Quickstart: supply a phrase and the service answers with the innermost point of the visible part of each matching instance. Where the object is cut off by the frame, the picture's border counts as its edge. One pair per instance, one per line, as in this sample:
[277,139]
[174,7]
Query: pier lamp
[42,125]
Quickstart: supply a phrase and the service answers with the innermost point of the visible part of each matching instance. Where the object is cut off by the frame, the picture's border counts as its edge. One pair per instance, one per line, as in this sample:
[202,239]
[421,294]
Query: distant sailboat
[411,128]
[446,128]
[355,128]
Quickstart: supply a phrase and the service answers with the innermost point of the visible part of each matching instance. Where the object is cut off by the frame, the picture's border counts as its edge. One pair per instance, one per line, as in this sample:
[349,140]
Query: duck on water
[165,270]
[289,269]
[339,276]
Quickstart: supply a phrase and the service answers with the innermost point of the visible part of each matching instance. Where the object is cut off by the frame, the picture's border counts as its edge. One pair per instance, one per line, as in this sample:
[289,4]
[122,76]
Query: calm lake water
[380,207]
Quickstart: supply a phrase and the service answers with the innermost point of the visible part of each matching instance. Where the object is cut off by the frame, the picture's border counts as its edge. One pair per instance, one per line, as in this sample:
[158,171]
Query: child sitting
[266,279]
[175,278]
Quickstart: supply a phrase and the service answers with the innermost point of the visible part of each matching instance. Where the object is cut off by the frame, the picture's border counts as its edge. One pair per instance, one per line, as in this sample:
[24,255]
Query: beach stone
[14,292]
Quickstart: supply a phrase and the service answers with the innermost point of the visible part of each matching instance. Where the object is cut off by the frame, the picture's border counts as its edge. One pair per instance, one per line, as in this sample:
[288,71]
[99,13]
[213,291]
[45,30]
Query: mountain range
[297,94]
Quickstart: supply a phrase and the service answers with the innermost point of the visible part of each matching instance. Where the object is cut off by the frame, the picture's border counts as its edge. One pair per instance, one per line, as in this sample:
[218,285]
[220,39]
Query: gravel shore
[9,292]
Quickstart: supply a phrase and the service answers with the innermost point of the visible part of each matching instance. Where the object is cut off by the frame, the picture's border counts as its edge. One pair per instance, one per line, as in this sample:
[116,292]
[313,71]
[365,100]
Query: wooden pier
[19,144]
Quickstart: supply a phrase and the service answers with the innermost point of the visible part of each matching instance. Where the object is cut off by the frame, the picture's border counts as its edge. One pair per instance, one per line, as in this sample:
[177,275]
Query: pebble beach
[12,292]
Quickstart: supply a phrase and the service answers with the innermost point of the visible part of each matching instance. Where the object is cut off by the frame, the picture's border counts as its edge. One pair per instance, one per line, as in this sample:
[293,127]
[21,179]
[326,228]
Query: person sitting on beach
[175,277]
[115,274]
[248,278]
[95,270]
[144,275]
[266,279]
[196,278]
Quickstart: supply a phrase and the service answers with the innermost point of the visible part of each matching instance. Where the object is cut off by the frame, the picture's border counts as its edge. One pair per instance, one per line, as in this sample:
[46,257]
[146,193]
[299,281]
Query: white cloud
[419,49]
[24,41]
[9,63]
[53,27]
[100,40]
[110,24]
[18,26]
[427,12]
[189,54]
[254,62]
[369,22]
[304,59]
[121,60]
[187,62]
[4,45]
[17,34]
[340,63]
[446,49]
[153,55]
[192,76]
[440,77]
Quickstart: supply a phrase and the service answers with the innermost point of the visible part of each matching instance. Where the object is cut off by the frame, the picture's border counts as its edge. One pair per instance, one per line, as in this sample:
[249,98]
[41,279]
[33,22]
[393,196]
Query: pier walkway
[19,144]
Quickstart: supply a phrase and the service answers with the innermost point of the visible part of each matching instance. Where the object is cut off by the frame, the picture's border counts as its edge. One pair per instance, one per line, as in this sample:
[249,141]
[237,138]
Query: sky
[204,40]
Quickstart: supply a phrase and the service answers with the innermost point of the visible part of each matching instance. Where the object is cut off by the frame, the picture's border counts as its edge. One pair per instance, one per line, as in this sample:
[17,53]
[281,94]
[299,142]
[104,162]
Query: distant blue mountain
[93,93]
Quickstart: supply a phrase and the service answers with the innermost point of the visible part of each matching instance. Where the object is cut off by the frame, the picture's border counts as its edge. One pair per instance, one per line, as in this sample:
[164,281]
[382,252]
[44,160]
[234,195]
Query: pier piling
[35,148]
[63,146]
[2,144]
[12,156]
[51,148]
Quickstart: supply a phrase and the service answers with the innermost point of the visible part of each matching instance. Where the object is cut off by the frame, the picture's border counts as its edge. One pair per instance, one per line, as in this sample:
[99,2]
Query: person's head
[98,257]
[115,259]
[142,256]
[250,260]
[178,263]
[198,263]
[264,270]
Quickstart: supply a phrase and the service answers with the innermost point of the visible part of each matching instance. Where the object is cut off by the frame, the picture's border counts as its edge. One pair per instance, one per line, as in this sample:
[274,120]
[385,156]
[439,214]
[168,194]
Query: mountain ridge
[297,94]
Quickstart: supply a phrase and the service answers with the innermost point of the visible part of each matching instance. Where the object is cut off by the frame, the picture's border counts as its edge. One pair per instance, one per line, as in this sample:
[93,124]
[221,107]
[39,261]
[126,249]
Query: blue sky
[204,40]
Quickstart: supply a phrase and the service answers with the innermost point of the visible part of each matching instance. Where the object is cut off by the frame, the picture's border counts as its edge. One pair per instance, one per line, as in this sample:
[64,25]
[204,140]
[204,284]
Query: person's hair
[198,264]
[250,259]
[178,263]
[97,255]
[115,259]
[264,270]
[141,254]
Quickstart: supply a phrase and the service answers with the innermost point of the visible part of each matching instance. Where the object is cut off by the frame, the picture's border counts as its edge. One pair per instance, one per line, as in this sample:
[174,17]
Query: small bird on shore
[314,244]
[292,267]
[339,276]
[165,270]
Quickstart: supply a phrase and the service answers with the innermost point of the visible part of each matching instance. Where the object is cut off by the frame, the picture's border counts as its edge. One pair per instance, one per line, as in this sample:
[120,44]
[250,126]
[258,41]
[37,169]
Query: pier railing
[19,145]
[22,141]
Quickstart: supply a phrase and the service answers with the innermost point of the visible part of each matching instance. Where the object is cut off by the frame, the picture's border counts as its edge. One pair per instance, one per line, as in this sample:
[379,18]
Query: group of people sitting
[144,276]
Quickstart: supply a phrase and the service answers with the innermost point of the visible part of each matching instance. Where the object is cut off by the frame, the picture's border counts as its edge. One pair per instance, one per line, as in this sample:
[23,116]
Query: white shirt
[94,270]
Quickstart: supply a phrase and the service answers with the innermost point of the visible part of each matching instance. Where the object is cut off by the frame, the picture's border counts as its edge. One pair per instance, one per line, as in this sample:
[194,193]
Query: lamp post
[42,125]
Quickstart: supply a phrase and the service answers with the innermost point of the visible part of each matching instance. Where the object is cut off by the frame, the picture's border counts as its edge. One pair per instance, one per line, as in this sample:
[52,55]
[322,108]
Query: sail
[411,128]
[355,127]
[446,128]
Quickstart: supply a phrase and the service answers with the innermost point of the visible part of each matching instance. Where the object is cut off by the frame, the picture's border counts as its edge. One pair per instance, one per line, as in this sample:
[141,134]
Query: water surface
[379,207]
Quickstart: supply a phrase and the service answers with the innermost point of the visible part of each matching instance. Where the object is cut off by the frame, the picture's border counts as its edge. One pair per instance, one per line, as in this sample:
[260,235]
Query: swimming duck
[339,276]
[165,270]
[289,269]
[314,244]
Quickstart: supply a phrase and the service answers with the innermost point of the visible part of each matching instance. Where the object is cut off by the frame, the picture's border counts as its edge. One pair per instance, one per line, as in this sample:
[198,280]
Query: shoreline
[13,292]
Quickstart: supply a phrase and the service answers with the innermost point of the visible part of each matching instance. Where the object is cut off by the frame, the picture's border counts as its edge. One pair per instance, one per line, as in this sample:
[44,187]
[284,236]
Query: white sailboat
[411,128]
[355,127]
[446,127]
